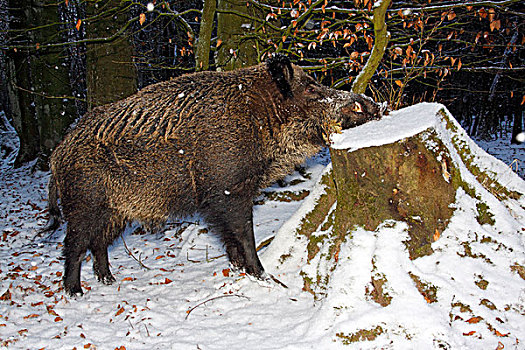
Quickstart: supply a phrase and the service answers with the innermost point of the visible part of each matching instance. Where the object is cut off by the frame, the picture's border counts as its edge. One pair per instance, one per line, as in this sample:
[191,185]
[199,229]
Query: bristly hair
[276,66]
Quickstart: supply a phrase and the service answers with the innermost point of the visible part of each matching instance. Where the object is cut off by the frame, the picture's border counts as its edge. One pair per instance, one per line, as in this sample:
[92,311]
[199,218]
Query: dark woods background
[61,58]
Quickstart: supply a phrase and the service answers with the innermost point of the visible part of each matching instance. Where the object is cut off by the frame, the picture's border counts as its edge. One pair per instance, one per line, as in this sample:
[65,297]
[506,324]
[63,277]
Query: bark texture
[40,95]
[111,74]
[202,49]
[233,24]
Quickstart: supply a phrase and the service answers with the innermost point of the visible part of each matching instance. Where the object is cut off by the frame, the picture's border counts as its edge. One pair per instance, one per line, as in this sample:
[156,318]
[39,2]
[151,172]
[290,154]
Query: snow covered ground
[175,290]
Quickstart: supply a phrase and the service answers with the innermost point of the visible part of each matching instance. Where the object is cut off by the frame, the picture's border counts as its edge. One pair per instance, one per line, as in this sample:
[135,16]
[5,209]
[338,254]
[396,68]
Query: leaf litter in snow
[175,289]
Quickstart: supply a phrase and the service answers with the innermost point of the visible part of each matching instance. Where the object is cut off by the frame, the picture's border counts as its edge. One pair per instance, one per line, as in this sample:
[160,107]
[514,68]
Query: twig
[277,281]
[214,298]
[265,243]
[190,260]
[133,256]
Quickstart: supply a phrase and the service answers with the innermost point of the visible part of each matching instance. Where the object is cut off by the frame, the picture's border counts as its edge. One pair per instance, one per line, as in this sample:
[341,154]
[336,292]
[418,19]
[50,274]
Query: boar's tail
[53,221]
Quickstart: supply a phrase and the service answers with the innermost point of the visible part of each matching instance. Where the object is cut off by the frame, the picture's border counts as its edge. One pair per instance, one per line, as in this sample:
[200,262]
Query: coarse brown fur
[204,142]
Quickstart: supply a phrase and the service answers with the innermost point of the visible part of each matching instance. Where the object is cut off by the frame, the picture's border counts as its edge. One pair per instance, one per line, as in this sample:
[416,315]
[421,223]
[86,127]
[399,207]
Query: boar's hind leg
[85,233]
[75,246]
[234,222]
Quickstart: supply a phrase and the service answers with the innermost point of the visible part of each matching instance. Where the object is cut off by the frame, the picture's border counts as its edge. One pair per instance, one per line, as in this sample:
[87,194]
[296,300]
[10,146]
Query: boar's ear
[280,68]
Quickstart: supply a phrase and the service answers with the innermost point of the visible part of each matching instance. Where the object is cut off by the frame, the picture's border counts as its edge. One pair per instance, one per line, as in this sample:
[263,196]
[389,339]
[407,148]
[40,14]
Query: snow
[393,127]
[175,290]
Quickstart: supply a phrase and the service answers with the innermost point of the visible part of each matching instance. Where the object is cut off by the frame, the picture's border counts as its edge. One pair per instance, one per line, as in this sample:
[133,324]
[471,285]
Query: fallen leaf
[469,333]
[58,319]
[79,23]
[30,316]
[127,279]
[500,346]
[500,334]
[226,272]
[7,295]
[142,18]
[51,311]
[121,310]
[474,319]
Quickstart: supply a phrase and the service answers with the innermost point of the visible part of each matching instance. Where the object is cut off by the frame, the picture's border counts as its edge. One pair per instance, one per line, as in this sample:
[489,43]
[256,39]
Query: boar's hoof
[106,279]
[73,291]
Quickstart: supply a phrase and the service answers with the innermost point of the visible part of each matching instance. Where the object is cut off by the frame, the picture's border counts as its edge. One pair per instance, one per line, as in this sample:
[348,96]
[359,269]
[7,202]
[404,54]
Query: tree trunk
[233,23]
[381,37]
[54,104]
[111,74]
[22,109]
[202,49]
[41,101]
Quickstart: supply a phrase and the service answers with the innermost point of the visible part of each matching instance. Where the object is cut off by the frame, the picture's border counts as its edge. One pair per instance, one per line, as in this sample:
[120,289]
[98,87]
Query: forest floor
[176,290]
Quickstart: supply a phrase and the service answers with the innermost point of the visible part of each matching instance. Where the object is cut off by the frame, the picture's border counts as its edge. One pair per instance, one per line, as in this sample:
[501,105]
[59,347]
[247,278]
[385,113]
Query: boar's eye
[357,107]
[311,90]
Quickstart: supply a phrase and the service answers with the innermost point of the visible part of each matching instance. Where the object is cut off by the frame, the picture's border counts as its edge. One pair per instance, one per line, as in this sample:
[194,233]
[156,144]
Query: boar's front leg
[233,219]
[99,249]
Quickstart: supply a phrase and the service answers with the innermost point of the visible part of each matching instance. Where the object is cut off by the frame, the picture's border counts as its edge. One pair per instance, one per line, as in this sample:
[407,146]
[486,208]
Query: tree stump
[409,167]
[404,181]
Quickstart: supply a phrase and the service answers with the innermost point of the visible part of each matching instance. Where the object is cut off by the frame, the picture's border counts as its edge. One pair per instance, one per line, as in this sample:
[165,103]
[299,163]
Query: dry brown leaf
[121,310]
[474,319]
[500,334]
[436,235]
[7,295]
[30,316]
[495,25]
[142,18]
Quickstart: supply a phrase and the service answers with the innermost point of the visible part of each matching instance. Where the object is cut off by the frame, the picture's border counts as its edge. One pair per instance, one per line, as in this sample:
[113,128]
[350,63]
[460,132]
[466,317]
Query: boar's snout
[360,109]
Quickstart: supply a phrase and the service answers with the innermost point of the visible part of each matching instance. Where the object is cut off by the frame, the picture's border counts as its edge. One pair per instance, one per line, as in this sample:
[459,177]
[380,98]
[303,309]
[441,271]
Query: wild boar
[205,142]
